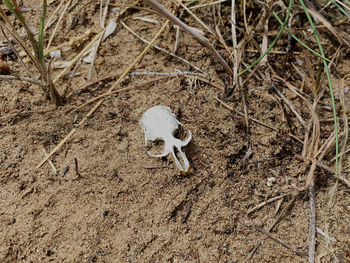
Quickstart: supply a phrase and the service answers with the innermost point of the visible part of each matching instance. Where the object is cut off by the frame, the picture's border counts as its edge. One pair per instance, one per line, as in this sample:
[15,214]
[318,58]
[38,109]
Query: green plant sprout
[37,46]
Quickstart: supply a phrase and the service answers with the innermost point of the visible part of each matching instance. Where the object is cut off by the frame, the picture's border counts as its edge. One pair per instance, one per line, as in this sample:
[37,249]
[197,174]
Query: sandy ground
[111,202]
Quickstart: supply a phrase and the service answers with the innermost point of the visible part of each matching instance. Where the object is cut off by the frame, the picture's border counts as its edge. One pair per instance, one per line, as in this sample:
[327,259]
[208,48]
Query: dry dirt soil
[111,202]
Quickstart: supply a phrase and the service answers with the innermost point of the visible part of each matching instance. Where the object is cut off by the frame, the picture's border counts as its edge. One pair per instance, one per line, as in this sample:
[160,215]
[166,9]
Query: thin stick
[325,147]
[72,74]
[222,41]
[219,87]
[209,4]
[51,164]
[234,41]
[176,73]
[71,42]
[91,83]
[102,100]
[195,17]
[312,224]
[265,203]
[23,79]
[58,23]
[327,168]
[92,42]
[327,24]
[95,49]
[105,14]
[101,12]
[243,115]
[76,165]
[98,42]
[14,50]
[295,250]
[264,41]
[291,106]
[51,20]
[245,17]
[345,119]
[177,28]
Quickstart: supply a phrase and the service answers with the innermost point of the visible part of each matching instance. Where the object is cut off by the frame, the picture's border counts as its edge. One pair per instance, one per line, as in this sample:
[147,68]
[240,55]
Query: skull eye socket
[155,147]
[180,133]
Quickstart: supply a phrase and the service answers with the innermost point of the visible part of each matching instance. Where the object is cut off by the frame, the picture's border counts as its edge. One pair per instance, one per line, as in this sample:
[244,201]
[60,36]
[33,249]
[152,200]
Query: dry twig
[295,250]
[251,210]
[312,224]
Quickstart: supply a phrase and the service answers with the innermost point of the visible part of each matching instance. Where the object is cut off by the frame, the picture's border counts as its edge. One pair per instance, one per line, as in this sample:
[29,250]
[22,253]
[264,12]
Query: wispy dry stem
[201,39]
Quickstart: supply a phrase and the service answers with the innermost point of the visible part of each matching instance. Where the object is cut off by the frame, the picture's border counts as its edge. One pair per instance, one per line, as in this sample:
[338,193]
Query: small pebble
[270,181]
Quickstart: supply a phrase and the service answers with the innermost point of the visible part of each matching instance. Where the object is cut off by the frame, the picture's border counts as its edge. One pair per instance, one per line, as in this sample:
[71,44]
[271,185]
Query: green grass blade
[340,8]
[13,10]
[41,32]
[329,84]
[274,41]
[12,6]
[191,2]
[299,41]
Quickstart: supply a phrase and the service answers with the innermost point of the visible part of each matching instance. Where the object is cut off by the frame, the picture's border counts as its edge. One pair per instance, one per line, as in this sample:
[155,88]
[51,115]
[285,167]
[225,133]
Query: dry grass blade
[204,41]
[251,210]
[16,35]
[161,49]
[51,20]
[58,23]
[264,42]
[327,168]
[312,224]
[107,94]
[268,234]
[37,46]
[326,146]
[325,22]
[234,42]
[222,41]
[342,4]
[291,106]
[196,18]
[209,4]
[345,118]
[310,146]
[23,79]
[78,56]
[51,164]
[14,50]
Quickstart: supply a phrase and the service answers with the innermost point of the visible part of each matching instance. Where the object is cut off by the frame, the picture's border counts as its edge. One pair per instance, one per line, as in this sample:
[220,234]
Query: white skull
[159,123]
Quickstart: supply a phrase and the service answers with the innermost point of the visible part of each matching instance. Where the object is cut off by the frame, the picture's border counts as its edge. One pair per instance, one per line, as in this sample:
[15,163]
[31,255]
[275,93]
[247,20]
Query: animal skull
[159,123]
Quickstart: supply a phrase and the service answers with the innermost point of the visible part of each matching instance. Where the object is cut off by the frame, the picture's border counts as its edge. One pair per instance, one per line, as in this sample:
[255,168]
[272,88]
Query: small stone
[271,181]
